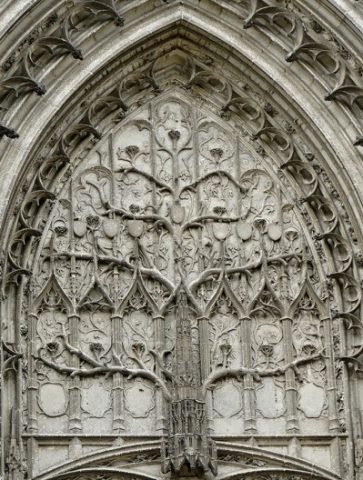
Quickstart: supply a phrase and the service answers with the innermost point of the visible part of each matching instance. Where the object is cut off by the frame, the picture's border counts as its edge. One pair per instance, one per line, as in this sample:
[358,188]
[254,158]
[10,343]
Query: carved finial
[8,132]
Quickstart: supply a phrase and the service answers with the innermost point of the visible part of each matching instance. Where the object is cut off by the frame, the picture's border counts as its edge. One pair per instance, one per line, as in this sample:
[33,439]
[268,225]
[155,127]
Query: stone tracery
[214,231]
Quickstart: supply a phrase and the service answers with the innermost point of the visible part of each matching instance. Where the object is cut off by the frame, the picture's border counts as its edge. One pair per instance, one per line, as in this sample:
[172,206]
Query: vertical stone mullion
[291,391]
[203,323]
[118,421]
[159,336]
[331,383]
[74,389]
[248,383]
[32,383]
[204,355]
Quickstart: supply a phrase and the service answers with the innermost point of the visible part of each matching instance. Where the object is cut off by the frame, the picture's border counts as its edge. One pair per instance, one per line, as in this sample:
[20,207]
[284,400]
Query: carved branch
[150,177]
[143,371]
[220,335]
[218,173]
[78,352]
[229,271]
[149,272]
[11,358]
[147,218]
[159,360]
[197,221]
[220,373]
[156,275]
[99,368]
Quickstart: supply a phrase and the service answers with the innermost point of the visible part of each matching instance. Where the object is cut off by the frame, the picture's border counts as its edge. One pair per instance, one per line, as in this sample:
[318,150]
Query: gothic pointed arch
[181,271]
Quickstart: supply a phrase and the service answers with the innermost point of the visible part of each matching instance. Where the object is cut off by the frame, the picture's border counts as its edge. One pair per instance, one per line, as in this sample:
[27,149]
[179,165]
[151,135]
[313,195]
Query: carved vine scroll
[174,267]
[172,261]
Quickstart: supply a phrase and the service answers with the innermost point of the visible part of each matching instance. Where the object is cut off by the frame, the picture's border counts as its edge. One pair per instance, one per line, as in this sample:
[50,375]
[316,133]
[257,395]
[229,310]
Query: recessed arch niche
[181,279]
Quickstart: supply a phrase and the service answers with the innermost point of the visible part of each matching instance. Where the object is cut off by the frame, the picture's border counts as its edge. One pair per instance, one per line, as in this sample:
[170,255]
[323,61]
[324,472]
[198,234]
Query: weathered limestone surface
[181,239]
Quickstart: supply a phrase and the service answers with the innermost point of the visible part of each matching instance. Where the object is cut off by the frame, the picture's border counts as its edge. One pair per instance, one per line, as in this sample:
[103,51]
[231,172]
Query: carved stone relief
[173,291]
[177,285]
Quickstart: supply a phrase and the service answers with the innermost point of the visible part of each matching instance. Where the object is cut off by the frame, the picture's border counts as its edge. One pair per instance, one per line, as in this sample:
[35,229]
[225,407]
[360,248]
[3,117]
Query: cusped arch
[325,216]
[238,461]
[193,19]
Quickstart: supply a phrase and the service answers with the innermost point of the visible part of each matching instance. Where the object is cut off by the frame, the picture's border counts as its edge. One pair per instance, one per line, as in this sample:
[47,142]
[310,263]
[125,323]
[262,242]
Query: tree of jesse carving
[173,257]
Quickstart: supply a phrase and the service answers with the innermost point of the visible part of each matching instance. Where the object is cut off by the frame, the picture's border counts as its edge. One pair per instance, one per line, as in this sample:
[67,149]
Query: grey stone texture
[181,239]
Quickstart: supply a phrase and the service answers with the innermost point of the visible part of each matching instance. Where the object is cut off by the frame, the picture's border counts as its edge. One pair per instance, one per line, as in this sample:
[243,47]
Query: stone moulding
[22,77]
[273,463]
[81,156]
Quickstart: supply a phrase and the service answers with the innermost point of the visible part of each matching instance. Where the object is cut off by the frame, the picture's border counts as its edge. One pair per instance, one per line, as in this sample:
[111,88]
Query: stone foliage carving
[109,217]
[173,282]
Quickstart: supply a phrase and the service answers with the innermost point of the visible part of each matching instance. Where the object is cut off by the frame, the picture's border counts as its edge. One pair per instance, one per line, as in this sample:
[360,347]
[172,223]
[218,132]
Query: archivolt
[289,82]
[279,106]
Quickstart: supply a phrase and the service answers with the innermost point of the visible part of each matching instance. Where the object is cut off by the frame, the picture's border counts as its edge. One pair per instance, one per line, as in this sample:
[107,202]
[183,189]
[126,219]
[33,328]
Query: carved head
[96,347]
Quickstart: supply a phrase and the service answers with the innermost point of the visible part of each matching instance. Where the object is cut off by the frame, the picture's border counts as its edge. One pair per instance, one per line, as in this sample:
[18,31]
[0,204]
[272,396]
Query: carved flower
[60,230]
[309,349]
[132,150]
[318,236]
[185,380]
[138,348]
[119,21]
[96,347]
[219,210]
[260,224]
[216,152]
[174,134]
[267,350]
[225,348]
[93,221]
[269,109]
[134,208]
[52,347]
